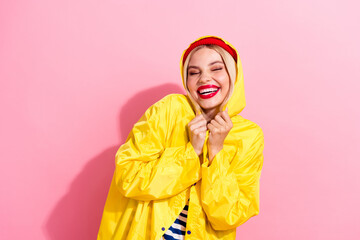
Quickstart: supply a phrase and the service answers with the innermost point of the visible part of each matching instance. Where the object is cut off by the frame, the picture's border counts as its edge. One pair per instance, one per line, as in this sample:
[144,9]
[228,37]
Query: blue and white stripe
[177,229]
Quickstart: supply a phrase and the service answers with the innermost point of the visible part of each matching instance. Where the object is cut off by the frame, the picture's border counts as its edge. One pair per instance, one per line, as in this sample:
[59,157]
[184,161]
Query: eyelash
[194,73]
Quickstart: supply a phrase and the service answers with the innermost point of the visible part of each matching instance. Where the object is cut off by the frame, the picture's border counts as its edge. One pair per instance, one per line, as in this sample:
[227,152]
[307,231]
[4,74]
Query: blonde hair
[230,66]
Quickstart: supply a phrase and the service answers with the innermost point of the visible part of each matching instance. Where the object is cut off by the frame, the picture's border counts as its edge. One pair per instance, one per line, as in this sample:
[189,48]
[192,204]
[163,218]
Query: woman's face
[207,79]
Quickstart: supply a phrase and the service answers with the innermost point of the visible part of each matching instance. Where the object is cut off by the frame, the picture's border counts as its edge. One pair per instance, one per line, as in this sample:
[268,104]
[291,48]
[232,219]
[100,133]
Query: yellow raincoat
[157,170]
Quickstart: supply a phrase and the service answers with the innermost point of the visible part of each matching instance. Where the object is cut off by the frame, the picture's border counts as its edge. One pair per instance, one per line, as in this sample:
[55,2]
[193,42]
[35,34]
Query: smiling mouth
[207,91]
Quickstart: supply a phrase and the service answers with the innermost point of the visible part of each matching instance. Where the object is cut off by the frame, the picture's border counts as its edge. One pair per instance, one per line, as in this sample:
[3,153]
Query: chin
[210,108]
[210,105]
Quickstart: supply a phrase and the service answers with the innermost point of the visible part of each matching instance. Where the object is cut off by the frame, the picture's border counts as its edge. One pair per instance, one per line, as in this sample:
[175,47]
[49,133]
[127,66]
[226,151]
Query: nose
[205,77]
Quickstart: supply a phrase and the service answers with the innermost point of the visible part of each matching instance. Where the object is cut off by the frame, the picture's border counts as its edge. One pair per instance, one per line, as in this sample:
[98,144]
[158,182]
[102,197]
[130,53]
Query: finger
[203,128]
[198,124]
[216,124]
[226,117]
[215,129]
[211,127]
[219,119]
[199,132]
[201,120]
[197,119]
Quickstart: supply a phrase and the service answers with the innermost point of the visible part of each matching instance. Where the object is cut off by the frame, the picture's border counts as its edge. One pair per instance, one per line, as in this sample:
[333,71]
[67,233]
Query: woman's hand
[197,131]
[219,128]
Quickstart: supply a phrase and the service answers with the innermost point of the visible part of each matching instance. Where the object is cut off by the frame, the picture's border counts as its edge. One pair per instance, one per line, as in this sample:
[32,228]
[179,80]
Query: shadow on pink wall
[77,215]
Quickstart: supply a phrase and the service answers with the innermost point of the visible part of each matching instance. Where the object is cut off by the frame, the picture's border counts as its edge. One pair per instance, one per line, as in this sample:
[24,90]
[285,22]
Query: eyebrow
[210,64]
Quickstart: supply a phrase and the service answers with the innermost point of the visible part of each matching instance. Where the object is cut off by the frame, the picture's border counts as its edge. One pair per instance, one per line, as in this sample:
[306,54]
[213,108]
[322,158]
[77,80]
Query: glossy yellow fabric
[157,168]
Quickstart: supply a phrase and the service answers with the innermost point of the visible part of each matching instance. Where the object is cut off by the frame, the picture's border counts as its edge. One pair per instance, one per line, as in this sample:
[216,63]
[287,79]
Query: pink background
[75,76]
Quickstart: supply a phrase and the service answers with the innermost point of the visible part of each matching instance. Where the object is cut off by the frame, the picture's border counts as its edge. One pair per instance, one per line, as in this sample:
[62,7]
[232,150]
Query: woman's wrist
[213,151]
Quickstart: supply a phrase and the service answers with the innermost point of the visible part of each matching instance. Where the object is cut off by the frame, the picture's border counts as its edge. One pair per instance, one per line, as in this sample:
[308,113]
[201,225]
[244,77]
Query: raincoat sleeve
[145,168]
[230,185]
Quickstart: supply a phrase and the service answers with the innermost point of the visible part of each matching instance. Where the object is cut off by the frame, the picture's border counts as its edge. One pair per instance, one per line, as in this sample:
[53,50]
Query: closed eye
[193,73]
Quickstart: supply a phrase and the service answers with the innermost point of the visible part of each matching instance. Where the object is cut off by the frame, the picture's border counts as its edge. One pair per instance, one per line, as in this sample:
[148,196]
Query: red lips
[207,91]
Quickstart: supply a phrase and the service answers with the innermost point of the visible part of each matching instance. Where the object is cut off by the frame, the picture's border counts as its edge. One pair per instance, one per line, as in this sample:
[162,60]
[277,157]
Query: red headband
[210,41]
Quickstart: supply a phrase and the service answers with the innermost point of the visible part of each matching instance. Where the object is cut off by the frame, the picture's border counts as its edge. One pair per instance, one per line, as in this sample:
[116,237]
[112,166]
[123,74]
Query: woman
[190,166]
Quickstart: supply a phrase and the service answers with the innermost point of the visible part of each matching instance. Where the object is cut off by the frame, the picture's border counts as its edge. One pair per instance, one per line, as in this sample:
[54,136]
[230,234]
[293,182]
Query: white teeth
[208,90]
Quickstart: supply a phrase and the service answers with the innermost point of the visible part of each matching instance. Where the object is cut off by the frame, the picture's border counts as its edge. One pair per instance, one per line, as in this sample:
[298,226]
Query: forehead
[205,55]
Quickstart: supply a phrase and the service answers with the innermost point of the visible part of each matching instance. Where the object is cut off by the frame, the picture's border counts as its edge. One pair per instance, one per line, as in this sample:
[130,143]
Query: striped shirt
[177,230]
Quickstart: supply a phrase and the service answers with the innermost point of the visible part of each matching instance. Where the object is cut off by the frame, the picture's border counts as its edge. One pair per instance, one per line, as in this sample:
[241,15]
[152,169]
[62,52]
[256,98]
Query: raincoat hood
[236,103]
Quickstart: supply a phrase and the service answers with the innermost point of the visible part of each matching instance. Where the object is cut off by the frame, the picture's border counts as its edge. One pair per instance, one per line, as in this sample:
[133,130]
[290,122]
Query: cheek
[225,82]
[191,84]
